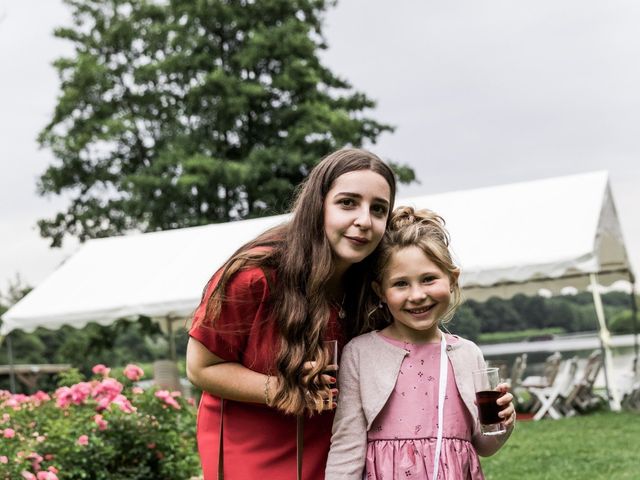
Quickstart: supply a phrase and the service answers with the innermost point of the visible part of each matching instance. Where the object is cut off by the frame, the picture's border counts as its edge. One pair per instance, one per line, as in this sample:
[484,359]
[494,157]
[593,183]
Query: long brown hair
[302,259]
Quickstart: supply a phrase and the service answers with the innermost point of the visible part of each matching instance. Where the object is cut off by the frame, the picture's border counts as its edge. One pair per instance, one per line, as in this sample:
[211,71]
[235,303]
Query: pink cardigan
[369,367]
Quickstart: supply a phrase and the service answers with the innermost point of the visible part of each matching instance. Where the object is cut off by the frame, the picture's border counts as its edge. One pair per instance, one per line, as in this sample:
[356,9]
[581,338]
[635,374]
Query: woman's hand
[508,410]
[328,394]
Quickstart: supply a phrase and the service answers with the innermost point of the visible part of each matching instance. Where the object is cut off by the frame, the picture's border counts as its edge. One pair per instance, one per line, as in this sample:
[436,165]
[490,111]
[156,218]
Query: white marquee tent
[516,238]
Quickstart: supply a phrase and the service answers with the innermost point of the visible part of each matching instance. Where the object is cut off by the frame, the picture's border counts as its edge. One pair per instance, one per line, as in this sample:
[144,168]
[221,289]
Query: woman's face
[355,215]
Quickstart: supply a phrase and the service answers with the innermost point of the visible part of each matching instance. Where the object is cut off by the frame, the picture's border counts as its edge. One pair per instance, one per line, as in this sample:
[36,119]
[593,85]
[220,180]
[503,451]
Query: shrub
[98,429]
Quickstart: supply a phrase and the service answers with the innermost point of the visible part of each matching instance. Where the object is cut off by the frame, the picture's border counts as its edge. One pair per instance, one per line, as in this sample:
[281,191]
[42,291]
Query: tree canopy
[182,113]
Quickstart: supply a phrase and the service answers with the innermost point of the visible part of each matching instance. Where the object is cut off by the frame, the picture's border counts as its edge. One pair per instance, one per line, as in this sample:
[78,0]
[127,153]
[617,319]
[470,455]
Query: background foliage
[182,113]
[496,320]
[133,434]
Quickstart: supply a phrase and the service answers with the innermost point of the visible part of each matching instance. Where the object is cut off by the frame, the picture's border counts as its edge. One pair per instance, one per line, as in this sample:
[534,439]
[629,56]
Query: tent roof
[515,238]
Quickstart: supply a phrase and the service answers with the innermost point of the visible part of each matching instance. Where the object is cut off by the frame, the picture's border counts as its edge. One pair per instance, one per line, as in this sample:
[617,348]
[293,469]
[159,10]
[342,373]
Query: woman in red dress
[256,342]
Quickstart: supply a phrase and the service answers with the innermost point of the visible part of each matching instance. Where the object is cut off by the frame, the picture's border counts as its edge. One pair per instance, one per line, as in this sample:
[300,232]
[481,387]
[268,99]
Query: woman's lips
[357,240]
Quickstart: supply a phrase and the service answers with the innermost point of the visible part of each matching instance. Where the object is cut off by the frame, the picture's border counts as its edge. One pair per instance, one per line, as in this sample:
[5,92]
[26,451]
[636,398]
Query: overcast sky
[481,93]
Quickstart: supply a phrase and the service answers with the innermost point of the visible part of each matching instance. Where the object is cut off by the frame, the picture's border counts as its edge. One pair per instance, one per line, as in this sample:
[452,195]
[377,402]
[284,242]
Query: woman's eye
[379,210]
[347,202]
[429,279]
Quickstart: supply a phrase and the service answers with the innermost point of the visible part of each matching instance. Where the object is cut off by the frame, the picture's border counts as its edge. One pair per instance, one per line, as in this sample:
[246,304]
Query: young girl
[407,385]
[257,336]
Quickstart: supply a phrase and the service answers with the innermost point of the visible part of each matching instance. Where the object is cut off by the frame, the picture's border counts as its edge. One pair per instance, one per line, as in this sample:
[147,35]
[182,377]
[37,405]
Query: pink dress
[402,439]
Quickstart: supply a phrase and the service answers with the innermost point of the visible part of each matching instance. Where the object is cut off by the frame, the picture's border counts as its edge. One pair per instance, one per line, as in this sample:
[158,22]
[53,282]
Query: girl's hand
[328,394]
[508,410]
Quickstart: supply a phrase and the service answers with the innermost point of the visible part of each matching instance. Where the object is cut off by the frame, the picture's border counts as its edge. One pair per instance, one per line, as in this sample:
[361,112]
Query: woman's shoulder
[251,278]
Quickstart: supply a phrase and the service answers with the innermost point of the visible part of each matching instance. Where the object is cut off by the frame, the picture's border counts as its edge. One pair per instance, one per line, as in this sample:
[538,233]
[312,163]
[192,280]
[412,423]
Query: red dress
[259,441]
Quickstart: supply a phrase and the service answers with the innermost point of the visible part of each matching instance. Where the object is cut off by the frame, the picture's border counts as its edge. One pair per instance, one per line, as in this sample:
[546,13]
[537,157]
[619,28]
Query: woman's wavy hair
[414,228]
[301,258]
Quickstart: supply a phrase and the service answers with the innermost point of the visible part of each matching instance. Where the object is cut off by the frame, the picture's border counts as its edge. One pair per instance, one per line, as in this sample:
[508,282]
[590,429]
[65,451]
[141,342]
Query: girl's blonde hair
[415,228]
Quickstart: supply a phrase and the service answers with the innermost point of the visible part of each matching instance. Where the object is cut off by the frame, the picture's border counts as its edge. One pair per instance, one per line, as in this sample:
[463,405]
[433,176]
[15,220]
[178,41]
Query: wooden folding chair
[631,397]
[548,396]
[580,397]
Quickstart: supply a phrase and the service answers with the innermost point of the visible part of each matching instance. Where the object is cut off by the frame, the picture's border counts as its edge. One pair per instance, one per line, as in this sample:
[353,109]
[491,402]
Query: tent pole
[12,374]
[612,392]
[634,321]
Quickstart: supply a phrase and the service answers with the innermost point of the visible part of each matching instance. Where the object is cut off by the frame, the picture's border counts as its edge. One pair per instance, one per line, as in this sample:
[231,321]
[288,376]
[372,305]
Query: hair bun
[403,217]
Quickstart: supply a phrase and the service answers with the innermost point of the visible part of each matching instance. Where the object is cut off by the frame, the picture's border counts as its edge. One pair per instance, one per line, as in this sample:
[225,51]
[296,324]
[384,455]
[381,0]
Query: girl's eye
[347,202]
[400,283]
[429,279]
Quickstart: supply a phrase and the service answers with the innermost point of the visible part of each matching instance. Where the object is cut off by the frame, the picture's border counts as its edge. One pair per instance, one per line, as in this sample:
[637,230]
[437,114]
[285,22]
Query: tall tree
[184,112]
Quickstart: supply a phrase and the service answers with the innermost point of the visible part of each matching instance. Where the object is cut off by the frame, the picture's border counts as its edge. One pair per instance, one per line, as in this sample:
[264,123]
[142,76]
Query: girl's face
[417,294]
[355,215]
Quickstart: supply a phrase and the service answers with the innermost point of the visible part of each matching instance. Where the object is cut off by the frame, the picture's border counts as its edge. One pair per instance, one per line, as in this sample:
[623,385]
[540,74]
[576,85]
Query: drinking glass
[486,382]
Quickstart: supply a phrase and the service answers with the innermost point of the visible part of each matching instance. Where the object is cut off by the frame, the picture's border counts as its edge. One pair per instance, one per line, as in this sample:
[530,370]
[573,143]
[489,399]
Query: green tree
[533,310]
[183,113]
[465,324]
[497,315]
[623,323]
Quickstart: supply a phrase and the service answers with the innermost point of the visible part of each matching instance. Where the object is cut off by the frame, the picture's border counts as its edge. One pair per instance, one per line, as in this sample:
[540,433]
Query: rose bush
[104,428]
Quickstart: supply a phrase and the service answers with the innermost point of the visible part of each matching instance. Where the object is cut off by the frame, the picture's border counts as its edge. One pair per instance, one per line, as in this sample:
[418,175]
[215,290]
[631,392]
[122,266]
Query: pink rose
[102,424]
[4,459]
[44,475]
[83,440]
[9,433]
[167,398]
[133,372]
[101,369]
[137,390]
[27,475]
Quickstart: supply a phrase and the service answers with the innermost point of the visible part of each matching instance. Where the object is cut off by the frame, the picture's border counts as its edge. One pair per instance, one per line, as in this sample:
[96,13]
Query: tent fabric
[508,239]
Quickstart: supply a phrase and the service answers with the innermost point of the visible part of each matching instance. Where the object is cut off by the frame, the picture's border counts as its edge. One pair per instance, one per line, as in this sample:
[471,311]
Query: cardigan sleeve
[349,436]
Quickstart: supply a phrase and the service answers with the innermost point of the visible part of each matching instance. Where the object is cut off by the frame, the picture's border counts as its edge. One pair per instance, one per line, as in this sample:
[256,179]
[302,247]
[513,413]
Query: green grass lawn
[601,445]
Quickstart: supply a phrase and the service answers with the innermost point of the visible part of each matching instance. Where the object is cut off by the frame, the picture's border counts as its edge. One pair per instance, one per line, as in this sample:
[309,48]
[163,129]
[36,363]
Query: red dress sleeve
[244,311]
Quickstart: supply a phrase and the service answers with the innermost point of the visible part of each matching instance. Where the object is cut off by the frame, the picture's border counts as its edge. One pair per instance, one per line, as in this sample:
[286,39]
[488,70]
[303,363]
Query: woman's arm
[232,380]
[229,380]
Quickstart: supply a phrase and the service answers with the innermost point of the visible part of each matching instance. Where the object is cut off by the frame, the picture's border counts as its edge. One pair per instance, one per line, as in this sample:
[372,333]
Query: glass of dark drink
[331,349]
[486,382]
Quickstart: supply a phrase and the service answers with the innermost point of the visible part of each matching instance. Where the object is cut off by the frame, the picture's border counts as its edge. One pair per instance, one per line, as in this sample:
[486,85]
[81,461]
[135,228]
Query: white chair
[550,370]
[548,396]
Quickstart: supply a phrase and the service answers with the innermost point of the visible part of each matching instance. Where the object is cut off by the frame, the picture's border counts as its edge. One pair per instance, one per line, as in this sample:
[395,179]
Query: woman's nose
[363,220]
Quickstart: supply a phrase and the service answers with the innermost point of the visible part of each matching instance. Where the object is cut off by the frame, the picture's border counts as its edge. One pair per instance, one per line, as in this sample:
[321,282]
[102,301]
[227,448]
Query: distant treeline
[567,313]
[142,341]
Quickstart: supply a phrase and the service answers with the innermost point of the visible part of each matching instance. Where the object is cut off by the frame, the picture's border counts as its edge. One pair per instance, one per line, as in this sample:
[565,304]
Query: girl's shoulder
[361,341]
[371,345]
[456,340]
[462,345]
